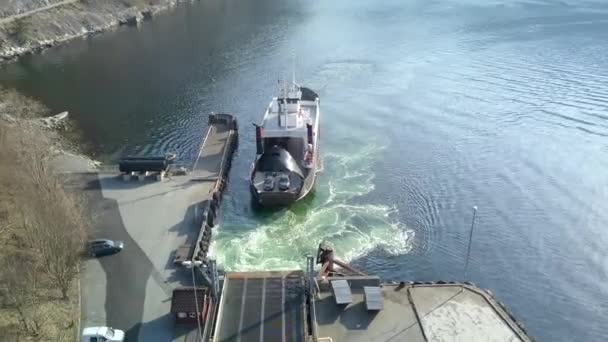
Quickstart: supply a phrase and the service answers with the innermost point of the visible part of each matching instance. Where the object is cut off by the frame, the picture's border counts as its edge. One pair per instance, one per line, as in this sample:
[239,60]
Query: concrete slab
[93,293]
[132,290]
[185,334]
[428,299]
[158,215]
[396,322]
[428,312]
[157,322]
[462,315]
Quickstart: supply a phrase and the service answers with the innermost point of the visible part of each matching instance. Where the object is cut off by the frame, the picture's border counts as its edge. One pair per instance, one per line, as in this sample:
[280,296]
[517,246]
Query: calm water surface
[429,108]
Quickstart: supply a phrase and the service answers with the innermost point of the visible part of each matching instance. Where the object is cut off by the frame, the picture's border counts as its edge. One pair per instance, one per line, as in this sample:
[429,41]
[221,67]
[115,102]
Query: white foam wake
[282,240]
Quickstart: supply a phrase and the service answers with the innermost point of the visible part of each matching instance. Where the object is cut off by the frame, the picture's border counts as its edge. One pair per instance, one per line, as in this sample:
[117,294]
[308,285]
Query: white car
[102,334]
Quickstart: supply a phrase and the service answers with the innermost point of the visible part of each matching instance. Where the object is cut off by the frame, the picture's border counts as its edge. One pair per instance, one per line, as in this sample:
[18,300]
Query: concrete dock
[289,306]
[132,289]
[421,312]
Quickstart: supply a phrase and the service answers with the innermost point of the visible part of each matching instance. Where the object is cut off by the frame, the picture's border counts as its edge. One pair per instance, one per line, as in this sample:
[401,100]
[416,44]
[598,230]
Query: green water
[334,212]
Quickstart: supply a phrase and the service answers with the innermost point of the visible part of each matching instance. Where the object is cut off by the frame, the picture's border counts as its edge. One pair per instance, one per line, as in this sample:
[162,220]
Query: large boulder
[53,122]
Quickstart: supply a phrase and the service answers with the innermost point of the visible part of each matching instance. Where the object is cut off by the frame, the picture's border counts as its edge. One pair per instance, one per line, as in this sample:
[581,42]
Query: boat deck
[262,306]
[271,120]
[425,312]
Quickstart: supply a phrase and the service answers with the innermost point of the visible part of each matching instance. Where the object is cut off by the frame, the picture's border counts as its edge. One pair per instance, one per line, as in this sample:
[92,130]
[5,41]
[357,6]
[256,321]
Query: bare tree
[20,106]
[55,225]
[42,227]
[52,220]
[18,288]
[56,232]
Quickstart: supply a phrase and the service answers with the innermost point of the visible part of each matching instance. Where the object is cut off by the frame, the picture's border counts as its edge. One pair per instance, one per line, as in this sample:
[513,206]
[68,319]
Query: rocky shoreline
[23,114]
[46,28]
[30,26]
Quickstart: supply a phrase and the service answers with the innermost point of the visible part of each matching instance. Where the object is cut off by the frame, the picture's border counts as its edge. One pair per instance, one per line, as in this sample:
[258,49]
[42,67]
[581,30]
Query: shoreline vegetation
[43,226]
[30,26]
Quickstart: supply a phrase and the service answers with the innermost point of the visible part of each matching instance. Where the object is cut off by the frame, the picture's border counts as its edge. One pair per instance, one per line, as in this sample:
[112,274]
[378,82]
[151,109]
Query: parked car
[102,334]
[102,247]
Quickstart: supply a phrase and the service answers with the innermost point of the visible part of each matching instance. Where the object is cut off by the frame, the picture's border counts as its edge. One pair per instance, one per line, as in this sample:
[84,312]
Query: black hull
[273,199]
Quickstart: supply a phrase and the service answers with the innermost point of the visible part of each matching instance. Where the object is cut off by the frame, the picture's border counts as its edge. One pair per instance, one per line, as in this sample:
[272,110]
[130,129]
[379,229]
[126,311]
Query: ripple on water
[336,214]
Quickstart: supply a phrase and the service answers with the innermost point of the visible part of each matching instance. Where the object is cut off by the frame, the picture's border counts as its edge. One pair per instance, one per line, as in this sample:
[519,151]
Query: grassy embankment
[42,231]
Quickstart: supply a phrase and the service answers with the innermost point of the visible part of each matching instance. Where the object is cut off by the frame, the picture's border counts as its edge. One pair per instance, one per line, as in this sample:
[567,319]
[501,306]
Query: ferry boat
[287,148]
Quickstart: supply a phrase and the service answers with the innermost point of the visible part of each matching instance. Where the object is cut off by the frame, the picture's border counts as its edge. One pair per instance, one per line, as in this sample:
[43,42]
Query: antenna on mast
[285,89]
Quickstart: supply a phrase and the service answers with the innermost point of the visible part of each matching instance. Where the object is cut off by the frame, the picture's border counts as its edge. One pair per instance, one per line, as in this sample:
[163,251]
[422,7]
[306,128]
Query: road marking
[242,310]
[283,307]
[262,310]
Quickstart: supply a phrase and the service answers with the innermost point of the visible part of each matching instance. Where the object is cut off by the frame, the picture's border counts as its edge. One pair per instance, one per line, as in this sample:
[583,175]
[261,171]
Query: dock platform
[414,312]
[159,221]
[214,150]
[290,306]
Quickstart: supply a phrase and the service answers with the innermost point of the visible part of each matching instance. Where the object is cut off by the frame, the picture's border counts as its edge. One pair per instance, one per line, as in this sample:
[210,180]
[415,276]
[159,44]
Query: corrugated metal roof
[183,299]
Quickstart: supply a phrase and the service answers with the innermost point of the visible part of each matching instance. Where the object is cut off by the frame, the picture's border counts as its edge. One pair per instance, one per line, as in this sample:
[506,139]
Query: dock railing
[312,292]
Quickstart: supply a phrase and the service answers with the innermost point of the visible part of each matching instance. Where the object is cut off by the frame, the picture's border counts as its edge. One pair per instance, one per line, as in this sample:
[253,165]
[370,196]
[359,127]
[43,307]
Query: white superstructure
[287,146]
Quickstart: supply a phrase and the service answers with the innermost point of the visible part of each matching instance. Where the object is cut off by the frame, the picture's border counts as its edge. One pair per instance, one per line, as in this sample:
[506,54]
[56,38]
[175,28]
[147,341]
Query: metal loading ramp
[262,306]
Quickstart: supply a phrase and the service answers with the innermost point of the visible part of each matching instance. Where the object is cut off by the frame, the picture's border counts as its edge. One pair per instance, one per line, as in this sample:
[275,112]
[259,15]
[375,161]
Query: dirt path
[41,9]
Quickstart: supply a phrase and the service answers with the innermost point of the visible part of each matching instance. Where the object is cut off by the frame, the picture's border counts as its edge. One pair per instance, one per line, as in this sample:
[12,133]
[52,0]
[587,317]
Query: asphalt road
[131,290]
[125,273]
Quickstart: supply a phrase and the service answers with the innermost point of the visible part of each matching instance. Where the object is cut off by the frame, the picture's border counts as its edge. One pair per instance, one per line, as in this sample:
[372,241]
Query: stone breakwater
[23,32]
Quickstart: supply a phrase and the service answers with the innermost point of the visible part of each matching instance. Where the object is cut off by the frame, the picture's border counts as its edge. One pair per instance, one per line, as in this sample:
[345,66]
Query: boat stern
[273,199]
[275,189]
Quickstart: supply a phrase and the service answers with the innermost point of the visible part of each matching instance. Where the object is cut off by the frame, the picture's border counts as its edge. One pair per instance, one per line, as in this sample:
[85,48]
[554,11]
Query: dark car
[102,247]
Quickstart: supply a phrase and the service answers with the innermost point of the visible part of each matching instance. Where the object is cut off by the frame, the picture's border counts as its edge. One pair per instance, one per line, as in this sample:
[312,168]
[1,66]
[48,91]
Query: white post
[466,265]
[189,264]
